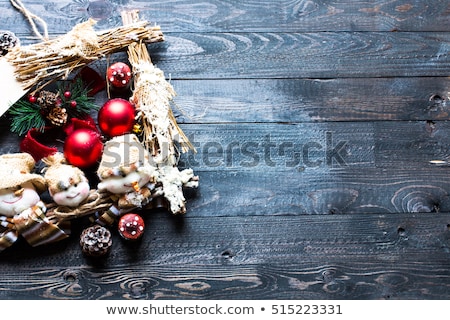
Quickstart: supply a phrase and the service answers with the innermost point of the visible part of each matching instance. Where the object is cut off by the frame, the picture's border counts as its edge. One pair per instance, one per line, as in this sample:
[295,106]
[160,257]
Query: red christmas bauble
[116,117]
[83,148]
[119,75]
[131,226]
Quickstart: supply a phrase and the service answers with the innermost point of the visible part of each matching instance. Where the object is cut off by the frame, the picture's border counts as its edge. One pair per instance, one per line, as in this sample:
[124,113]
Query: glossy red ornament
[119,75]
[131,226]
[32,98]
[83,148]
[116,117]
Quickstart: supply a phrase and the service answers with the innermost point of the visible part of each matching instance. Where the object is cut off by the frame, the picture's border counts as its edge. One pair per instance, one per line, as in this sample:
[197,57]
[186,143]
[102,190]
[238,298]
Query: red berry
[32,99]
[58,102]
[131,226]
[67,94]
[73,104]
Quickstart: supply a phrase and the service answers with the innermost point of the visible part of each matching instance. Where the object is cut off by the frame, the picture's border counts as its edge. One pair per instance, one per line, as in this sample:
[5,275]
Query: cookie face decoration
[125,182]
[125,166]
[19,188]
[22,212]
[67,184]
[16,199]
[72,189]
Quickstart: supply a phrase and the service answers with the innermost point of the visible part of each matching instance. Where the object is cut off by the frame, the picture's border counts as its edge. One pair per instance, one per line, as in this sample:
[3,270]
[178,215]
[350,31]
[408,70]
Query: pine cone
[57,116]
[47,100]
[96,241]
[8,40]
[50,104]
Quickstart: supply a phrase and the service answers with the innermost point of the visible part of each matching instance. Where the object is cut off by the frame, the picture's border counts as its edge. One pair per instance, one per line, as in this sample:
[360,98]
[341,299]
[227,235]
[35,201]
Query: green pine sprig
[26,115]
[84,103]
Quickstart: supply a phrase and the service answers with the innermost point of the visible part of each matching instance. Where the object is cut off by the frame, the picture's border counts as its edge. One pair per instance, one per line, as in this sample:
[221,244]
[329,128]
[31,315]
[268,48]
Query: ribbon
[34,226]
[126,203]
[31,145]
[9,234]
[38,150]
[75,123]
[91,80]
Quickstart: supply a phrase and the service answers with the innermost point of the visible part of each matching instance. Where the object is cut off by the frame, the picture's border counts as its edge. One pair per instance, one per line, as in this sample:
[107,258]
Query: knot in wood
[71,275]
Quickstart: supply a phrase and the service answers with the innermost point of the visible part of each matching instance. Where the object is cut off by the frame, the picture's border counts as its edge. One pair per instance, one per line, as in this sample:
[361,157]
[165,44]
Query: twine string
[32,18]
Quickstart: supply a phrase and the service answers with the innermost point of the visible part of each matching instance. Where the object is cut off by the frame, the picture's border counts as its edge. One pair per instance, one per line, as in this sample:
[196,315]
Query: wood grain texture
[303,55]
[329,146]
[299,281]
[276,257]
[245,16]
[314,123]
[314,168]
[312,100]
[322,55]
[294,193]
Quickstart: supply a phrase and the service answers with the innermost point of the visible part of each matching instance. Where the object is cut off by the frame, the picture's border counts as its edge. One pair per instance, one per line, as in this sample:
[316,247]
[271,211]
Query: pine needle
[26,115]
[79,94]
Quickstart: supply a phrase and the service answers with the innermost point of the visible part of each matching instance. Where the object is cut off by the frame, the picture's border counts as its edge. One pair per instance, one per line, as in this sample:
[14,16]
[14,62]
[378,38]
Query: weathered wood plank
[244,16]
[309,100]
[303,147]
[306,100]
[303,55]
[256,169]
[392,257]
[327,55]
[310,146]
[357,280]
[346,208]
[366,191]
[320,168]
[300,16]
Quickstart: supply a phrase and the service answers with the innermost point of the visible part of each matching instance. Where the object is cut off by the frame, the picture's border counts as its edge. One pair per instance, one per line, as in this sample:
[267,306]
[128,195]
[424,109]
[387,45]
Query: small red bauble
[131,226]
[83,148]
[32,98]
[119,75]
[116,117]
[67,94]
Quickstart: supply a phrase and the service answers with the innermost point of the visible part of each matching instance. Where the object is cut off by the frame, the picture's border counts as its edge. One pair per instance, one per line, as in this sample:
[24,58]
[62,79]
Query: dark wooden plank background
[315,122]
